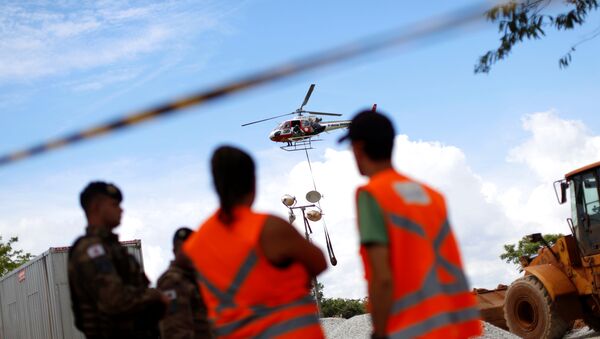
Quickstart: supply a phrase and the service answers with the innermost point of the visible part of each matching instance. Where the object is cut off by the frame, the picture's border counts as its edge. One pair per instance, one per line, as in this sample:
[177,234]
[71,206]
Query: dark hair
[233,177]
[98,188]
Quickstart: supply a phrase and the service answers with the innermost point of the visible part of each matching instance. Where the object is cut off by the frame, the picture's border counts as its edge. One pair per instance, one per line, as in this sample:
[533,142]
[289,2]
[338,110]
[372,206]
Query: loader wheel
[529,311]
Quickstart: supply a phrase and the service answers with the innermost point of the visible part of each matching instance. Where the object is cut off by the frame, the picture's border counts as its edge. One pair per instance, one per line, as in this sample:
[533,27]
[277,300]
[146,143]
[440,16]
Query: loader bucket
[491,303]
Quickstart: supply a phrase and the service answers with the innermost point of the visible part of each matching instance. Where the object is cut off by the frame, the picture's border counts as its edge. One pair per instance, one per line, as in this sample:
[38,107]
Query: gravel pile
[359,327]
[331,324]
[492,332]
[582,333]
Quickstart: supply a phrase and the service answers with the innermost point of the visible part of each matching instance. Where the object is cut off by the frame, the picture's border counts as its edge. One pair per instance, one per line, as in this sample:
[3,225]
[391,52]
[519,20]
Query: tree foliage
[345,308]
[339,307]
[319,290]
[11,258]
[513,252]
[521,20]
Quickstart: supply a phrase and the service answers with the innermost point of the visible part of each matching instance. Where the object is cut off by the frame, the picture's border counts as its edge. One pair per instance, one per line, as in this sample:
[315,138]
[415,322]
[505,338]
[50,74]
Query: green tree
[345,308]
[319,290]
[11,258]
[513,252]
[528,20]
[339,307]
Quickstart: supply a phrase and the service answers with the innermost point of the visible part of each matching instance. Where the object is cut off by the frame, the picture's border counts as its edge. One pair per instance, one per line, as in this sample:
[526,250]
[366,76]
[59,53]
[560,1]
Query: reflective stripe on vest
[289,326]
[237,285]
[259,311]
[434,300]
[263,311]
[431,285]
[226,298]
[437,321]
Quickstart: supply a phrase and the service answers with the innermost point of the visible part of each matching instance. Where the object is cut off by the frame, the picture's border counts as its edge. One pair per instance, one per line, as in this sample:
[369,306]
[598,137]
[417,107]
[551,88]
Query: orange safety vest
[246,296]
[431,297]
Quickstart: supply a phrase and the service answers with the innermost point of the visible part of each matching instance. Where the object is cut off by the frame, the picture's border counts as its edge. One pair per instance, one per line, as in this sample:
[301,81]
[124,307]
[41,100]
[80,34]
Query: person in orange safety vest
[254,269]
[416,284]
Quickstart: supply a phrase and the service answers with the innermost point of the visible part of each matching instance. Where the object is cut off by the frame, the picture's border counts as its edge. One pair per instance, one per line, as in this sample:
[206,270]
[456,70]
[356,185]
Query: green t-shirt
[371,221]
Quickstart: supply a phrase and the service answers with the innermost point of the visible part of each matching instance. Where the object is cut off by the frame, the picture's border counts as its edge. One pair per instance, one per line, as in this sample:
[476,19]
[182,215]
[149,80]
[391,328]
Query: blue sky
[66,66]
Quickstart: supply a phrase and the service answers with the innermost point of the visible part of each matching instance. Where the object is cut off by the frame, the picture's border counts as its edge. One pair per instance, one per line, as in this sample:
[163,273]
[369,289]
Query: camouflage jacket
[186,314]
[109,292]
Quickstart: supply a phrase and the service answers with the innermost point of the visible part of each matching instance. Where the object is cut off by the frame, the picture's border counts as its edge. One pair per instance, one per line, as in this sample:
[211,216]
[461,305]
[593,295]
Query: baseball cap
[369,126]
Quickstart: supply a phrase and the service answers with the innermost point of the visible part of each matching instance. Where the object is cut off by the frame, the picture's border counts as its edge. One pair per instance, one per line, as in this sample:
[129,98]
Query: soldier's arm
[112,295]
[178,321]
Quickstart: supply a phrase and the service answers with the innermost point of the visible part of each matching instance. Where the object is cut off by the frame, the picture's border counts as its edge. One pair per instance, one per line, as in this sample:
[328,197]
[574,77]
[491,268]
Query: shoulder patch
[170,294]
[412,193]
[95,251]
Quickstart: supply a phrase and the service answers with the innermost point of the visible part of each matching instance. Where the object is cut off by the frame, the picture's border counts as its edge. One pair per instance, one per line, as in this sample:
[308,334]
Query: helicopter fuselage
[304,127]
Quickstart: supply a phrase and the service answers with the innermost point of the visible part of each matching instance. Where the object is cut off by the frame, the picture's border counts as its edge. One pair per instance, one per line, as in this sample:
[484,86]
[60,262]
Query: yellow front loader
[562,282]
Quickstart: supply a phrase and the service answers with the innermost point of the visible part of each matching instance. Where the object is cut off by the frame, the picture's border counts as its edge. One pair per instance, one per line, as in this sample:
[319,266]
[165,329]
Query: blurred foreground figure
[412,263]
[254,269]
[109,292]
[186,313]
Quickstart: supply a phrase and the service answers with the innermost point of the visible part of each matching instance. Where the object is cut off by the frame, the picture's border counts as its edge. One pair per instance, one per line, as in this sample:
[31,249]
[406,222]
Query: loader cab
[584,194]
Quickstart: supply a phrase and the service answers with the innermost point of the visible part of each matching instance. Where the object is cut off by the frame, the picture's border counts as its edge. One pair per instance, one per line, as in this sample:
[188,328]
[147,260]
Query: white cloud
[108,78]
[163,194]
[556,146]
[61,38]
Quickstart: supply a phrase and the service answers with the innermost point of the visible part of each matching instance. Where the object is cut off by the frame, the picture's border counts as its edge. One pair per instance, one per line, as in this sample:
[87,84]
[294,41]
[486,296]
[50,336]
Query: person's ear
[358,148]
[94,205]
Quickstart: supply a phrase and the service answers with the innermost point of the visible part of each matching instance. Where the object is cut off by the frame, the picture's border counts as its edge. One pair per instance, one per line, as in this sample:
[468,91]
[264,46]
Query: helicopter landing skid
[299,145]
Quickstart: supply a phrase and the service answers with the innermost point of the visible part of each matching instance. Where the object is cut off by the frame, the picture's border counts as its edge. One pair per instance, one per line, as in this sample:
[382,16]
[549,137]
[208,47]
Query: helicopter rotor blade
[271,118]
[323,113]
[310,90]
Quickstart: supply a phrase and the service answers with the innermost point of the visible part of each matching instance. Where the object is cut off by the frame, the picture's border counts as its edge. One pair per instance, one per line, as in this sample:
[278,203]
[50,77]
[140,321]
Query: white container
[35,301]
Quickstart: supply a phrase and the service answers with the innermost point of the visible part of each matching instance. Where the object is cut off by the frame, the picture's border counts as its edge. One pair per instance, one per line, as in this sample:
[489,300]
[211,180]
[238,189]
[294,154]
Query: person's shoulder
[87,246]
[275,220]
[413,185]
[173,278]
[168,276]
[275,227]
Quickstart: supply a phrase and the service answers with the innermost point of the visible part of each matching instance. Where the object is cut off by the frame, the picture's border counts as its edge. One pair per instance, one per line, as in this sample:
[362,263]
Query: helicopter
[298,133]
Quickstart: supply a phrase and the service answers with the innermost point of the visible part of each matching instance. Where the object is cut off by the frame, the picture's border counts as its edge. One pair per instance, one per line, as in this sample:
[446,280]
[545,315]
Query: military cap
[95,188]
[182,234]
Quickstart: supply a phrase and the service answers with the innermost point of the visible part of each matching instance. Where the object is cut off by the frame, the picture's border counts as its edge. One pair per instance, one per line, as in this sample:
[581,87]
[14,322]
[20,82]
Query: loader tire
[530,312]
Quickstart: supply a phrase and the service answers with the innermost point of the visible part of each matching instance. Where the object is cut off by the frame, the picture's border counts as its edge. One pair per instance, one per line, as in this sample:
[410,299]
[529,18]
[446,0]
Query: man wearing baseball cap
[412,263]
[186,314]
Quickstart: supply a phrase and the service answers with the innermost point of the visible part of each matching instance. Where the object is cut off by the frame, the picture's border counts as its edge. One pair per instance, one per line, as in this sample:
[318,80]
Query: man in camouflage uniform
[109,292]
[186,314]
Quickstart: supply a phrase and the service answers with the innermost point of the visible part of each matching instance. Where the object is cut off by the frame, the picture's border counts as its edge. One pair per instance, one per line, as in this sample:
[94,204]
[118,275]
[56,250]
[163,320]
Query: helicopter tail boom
[333,125]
